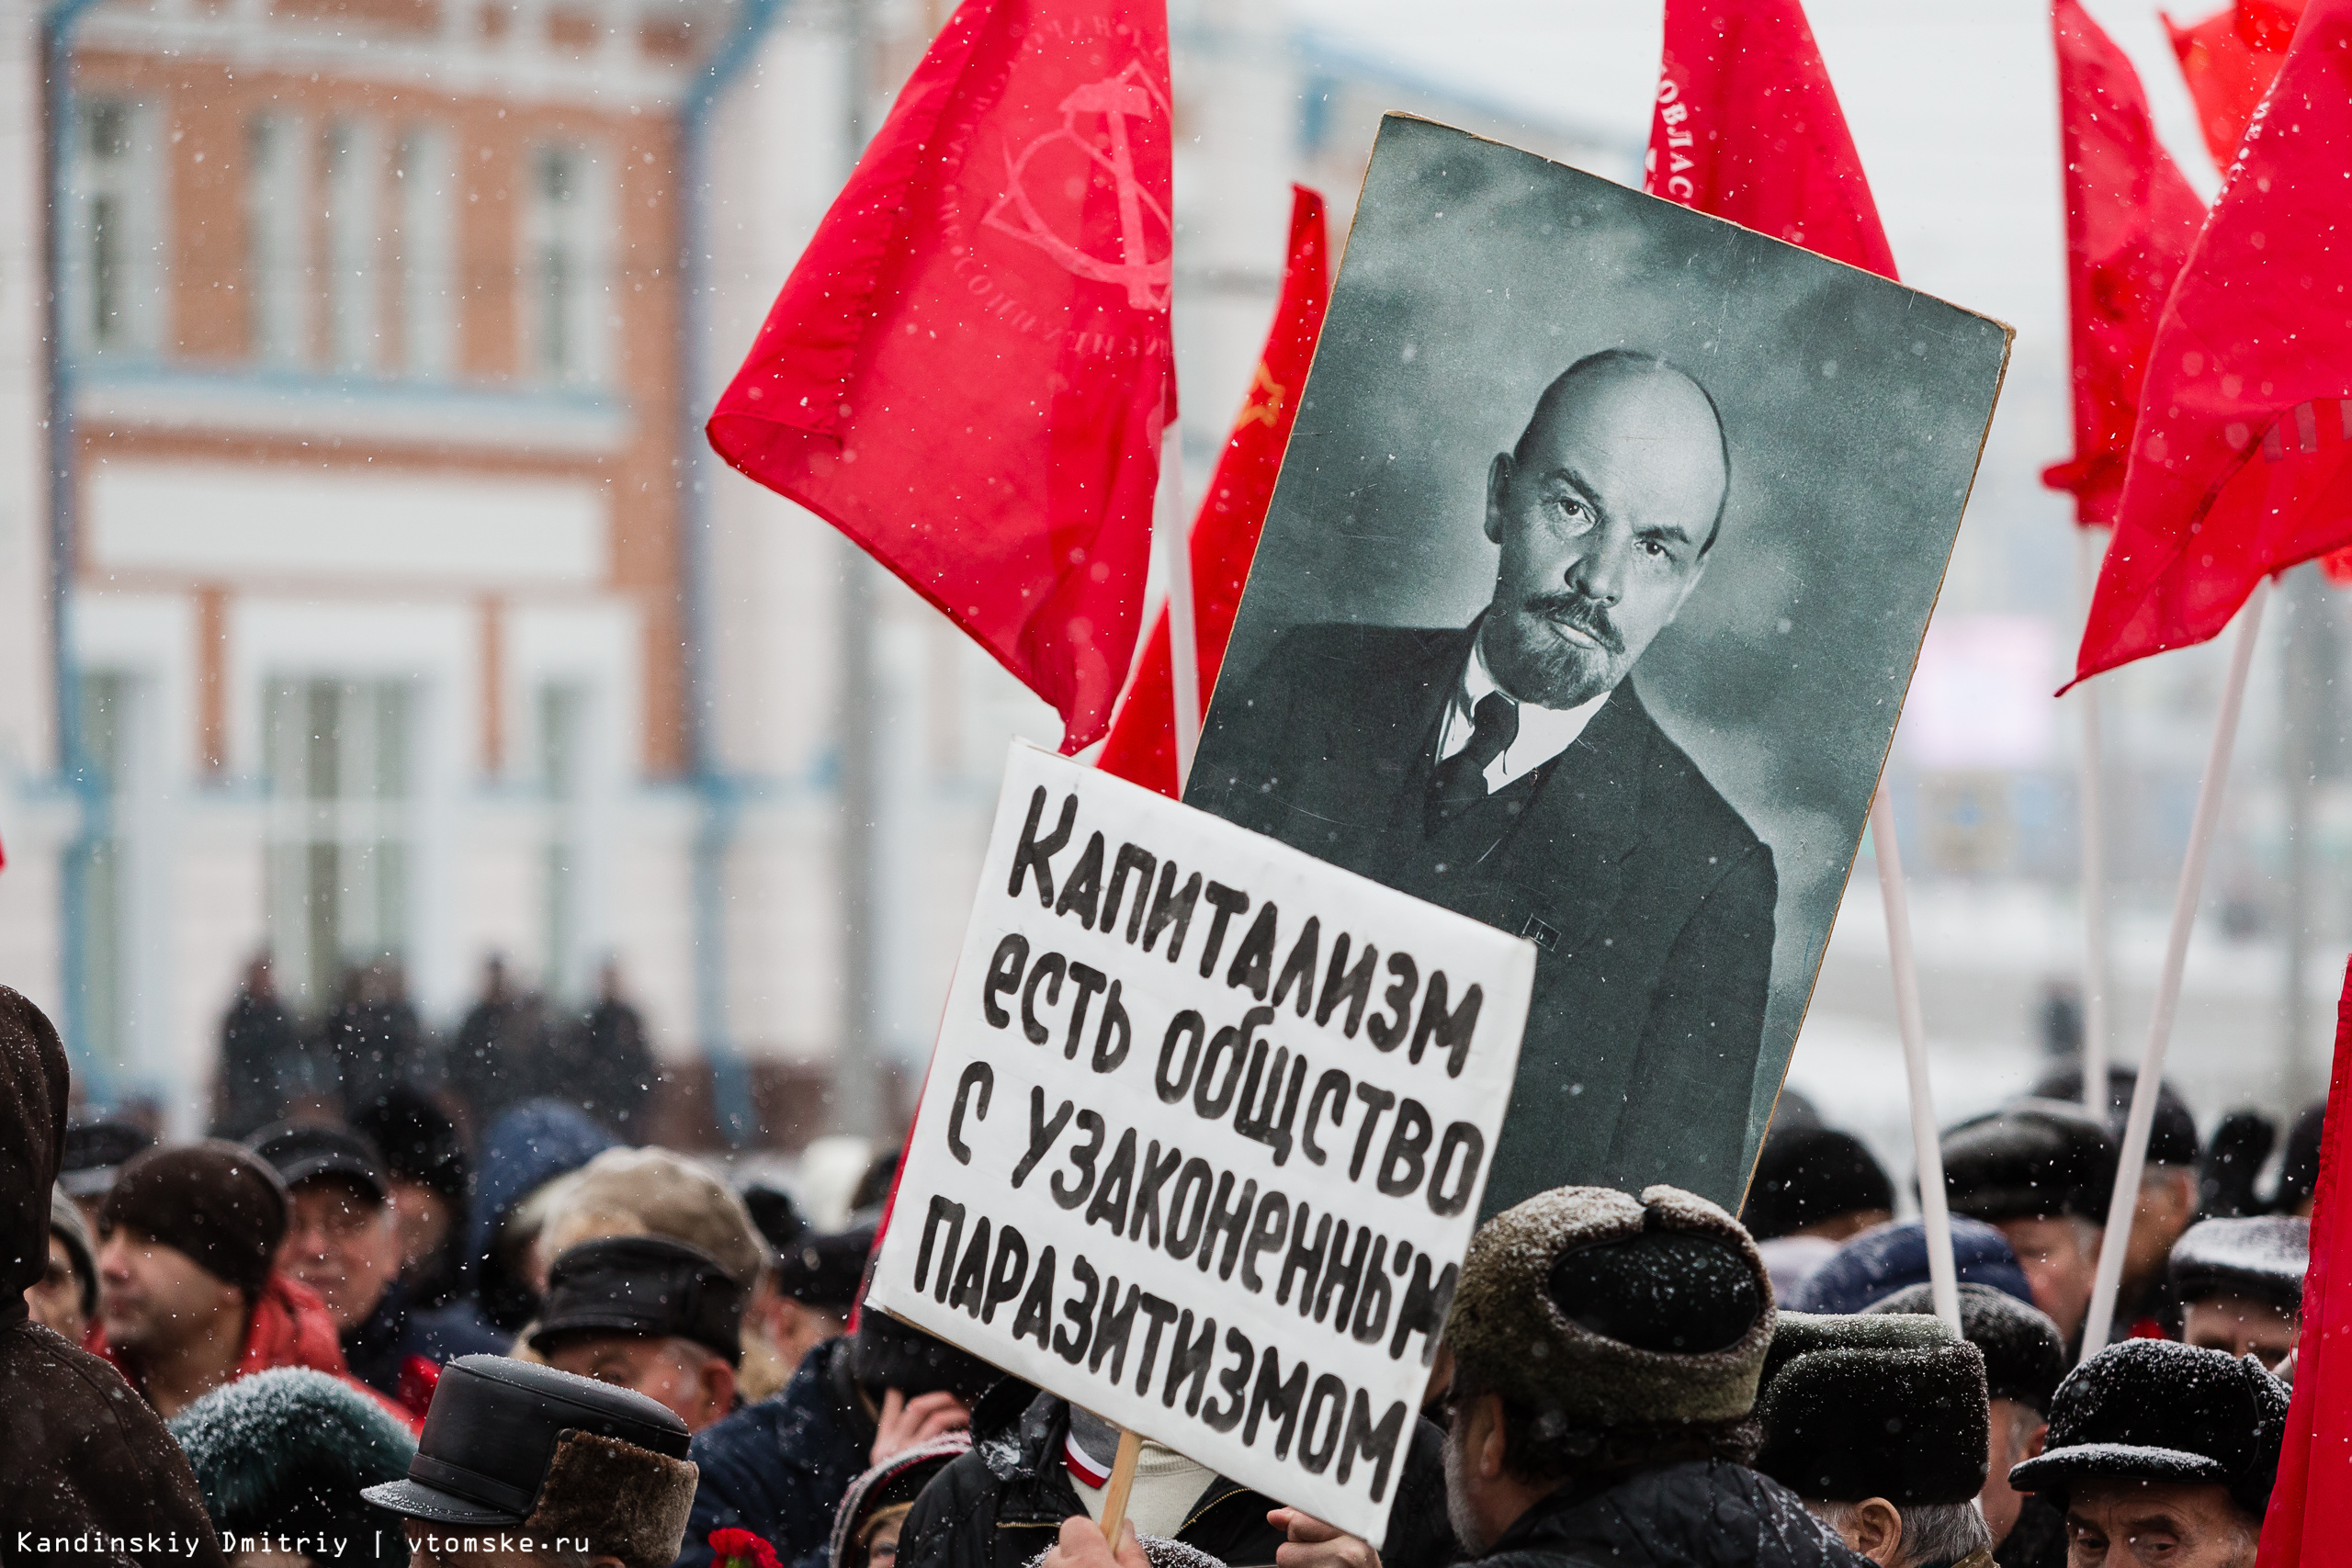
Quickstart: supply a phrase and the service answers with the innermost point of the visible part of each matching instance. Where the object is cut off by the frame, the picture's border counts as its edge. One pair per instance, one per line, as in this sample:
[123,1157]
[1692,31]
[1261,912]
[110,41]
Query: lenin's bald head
[1605,510]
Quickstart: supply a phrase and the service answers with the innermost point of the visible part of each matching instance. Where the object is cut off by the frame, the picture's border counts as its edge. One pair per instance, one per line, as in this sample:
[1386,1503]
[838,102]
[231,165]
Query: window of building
[278,240]
[424,182]
[100,869]
[353,162]
[568,303]
[114,261]
[563,720]
[340,780]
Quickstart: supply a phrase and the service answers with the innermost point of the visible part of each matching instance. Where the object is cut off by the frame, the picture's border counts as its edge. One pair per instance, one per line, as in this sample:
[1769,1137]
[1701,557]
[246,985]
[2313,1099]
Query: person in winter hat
[2171,1189]
[521,1463]
[2024,1363]
[649,1314]
[2162,1445]
[65,1298]
[189,1296]
[817,1280]
[427,1171]
[80,1454]
[867,1525]
[2240,1284]
[524,1153]
[283,1456]
[1887,1259]
[343,1240]
[1878,1422]
[95,1153]
[2039,1172]
[1813,1189]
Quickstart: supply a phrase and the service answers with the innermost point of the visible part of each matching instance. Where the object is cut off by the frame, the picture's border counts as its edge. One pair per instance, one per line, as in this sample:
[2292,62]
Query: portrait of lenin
[1508,770]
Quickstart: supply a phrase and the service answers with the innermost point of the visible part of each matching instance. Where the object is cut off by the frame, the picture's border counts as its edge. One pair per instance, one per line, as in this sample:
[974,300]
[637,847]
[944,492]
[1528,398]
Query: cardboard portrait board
[1609,659]
[1192,1154]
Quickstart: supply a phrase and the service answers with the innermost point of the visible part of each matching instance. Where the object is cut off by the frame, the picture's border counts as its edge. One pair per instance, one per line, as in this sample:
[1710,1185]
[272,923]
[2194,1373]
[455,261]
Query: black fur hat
[2172,1136]
[2159,1410]
[2033,1159]
[1809,1174]
[2025,1359]
[1873,1405]
[2264,1257]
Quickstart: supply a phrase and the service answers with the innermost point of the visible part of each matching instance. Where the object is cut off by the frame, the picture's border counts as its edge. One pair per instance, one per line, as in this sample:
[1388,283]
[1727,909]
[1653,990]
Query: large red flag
[969,369]
[2310,1516]
[2229,59]
[2239,463]
[1224,536]
[1748,127]
[2130,220]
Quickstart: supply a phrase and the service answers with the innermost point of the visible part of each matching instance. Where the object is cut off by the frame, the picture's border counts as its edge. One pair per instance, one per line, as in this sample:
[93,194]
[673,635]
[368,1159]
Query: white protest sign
[1204,1139]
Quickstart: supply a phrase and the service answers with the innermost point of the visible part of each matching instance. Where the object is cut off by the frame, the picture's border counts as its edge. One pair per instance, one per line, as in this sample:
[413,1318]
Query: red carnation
[741,1549]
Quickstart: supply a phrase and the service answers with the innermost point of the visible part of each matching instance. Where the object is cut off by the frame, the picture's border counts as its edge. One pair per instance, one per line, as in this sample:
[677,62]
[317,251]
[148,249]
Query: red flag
[1748,127]
[2310,1516]
[2130,222]
[969,369]
[2230,59]
[2239,463]
[1225,535]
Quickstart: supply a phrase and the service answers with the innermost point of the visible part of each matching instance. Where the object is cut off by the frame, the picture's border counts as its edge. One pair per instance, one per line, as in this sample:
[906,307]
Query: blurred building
[383,604]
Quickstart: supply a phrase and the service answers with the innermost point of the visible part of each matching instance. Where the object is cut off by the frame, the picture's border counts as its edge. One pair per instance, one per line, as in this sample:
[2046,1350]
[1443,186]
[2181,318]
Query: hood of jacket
[1696,1514]
[523,1150]
[33,1084]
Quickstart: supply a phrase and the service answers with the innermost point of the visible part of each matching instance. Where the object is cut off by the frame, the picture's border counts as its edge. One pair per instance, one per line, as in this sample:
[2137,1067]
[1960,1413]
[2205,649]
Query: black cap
[824,1271]
[647,1285]
[2025,1359]
[1873,1407]
[1809,1174]
[2033,1159]
[2264,1257]
[2172,1136]
[2158,1410]
[96,1150]
[300,1154]
[493,1430]
[778,1217]
[418,1141]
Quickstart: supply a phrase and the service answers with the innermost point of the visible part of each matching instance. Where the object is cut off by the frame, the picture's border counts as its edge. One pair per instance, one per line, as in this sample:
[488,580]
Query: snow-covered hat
[2263,1256]
[2159,1410]
[1873,1405]
[2031,1159]
[288,1452]
[897,1479]
[2024,1356]
[1610,1311]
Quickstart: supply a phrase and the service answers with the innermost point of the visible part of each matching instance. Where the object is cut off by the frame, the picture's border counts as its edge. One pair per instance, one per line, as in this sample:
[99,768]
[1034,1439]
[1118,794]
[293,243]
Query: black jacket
[778,1468]
[1001,1505]
[1697,1514]
[1649,900]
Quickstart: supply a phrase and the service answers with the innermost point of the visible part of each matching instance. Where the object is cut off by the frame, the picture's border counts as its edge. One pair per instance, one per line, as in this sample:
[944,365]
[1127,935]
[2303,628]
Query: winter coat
[607,1068]
[399,1350]
[1696,1514]
[81,1455]
[1001,1505]
[780,1468]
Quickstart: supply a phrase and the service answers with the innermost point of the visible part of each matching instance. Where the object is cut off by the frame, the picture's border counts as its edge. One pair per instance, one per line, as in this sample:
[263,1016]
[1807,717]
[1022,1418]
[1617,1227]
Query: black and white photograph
[1586,607]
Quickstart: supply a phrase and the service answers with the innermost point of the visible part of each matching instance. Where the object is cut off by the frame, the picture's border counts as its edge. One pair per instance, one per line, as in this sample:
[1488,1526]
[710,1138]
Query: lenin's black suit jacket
[1648,898]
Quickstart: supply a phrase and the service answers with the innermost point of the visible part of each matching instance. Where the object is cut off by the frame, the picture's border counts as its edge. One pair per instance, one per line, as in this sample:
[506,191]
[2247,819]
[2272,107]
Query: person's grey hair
[1932,1532]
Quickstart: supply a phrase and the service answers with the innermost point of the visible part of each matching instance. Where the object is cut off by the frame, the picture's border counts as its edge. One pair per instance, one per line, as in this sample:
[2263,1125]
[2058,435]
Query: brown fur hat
[1509,1331]
[621,1499]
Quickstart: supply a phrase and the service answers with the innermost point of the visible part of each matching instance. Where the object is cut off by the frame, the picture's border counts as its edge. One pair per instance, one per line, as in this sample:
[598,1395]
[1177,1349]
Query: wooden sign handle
[1122,1482]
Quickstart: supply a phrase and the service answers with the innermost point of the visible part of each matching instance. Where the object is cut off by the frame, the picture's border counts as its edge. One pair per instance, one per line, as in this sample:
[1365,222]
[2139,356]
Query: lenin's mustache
[1573,610]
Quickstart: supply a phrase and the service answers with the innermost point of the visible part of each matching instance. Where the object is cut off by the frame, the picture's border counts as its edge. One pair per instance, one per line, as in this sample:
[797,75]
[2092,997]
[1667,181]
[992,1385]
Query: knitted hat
[896,1480]
[1877,1405]
[644,1285]
[2264,1257]
[66,1223]
[1614,1311]
[218,1202]
[1886,1259]
[2158,1410]
[2035,1159]
[2024,1357]
[286,1452]
[1809,1174]
[2172,1136]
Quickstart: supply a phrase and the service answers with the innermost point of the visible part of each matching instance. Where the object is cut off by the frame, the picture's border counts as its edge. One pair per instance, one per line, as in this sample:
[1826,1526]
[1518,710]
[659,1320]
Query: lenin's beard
[1535,663]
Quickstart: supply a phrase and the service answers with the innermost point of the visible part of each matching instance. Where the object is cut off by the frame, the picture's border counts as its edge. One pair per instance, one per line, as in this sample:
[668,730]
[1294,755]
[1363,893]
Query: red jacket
[289,1328]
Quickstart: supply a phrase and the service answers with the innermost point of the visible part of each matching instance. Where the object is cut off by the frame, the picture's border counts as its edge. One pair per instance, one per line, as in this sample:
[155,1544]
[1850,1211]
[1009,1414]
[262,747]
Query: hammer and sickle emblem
[1128,95]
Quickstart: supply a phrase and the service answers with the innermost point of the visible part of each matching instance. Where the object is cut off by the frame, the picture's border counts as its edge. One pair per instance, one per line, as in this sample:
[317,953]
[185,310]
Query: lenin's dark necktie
[1460,782]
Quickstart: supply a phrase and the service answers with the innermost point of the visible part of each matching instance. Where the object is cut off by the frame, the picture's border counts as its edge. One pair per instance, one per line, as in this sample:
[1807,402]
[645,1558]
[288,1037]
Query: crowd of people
[377,1336]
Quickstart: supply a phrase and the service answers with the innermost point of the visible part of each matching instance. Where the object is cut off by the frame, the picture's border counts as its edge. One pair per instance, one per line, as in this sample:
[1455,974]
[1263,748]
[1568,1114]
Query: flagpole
[2097,968]
[2125,1200]
[1173,539]
[1935,1213]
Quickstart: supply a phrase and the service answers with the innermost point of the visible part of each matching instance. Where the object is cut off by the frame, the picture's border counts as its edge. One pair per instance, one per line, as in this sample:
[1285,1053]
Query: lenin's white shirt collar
[1543,733]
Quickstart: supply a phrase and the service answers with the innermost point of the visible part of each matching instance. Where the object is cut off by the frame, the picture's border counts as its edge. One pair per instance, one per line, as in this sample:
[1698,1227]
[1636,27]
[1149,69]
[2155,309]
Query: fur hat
[216,1202]
[1560,1305]
[625,1191]
[2263,1257]
[1877,1405]
[2034,1159]
[418,1141]
[66,1223]
[1809,1174]
[2172,1136]
[2024,1357]
[287,1453]
[644,1285]
[2159,1410]
[1886,1259]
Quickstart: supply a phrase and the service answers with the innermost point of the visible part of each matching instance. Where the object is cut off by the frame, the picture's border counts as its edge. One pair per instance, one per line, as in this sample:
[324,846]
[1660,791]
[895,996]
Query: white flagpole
[2125,1201]
[2098,971]
[1935,1214]
[1172,536]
